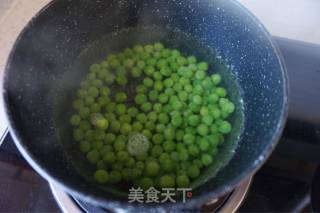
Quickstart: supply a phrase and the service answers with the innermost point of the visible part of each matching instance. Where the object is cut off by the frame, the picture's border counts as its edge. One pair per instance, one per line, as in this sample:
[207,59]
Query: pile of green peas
[149,116]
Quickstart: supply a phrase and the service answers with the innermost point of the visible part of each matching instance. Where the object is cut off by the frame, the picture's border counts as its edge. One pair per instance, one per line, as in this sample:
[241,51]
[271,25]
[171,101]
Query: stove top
[282,185]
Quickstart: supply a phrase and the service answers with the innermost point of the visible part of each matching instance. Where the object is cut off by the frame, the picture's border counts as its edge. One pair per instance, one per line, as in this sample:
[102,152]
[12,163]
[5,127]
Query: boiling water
[172,38]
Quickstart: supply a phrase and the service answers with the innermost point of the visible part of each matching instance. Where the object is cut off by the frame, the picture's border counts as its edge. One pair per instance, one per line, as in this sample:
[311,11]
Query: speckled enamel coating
[55,37]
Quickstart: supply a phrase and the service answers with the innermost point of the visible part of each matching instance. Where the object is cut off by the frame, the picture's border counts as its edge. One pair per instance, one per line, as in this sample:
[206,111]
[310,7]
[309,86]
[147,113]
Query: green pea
[193,171]
[177,105]
[183,155]
[149,70]
[136,72]
[213,98]
[141,64]
[169,146]
[167,165]
[147,133]
[97,83]
[193,150]
[157,55]
[138,49]
[148,82]
[165,53]
[207,119]
[177,87]
[153,95]
[110,137]
[157,76]
[176,120]
[203,66]
[216,79]
[200,75]
[189,139]
[168,83]
[121,97]
[224,127]
[137,126]
[125,129]
[141,89]
[152,168]
[188,88]
[93,91]
[158,46]
[101,176]
[206,159]
[160,128]
[192,59]
[204,144]
[125,118]
[103,101]
[164,156]
[215,112]
[169,133]
[146,107]
[182,181]
[165,71]
[207,83]
[89,100]
[122,156]
[99,135]
[121,109]
[115,126]
[221,92]
[130,162]
[157,107]
[109,157]
[94,68]
[169,92]
[142,118]
[150,125]
[156,151]
[157,138]
[179,135]
[121,80]
[119,144]
[163,98]
[129,63]
[152,116]
[158,86]
[175,53]
[197,99]
[109,79]
[75,120]
[145,183]
[167,181]
[181,60]
[95,108]
[194,120]
[132,111]
[202,129]
[183,96]
[140,99]
[102,123]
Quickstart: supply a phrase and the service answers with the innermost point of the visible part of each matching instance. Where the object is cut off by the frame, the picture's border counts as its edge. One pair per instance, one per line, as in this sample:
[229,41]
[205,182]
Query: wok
[44,70]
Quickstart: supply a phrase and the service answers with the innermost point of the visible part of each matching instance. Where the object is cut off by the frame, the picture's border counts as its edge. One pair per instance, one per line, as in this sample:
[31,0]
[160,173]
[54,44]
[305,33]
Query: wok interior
[114,43]
[44,71]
